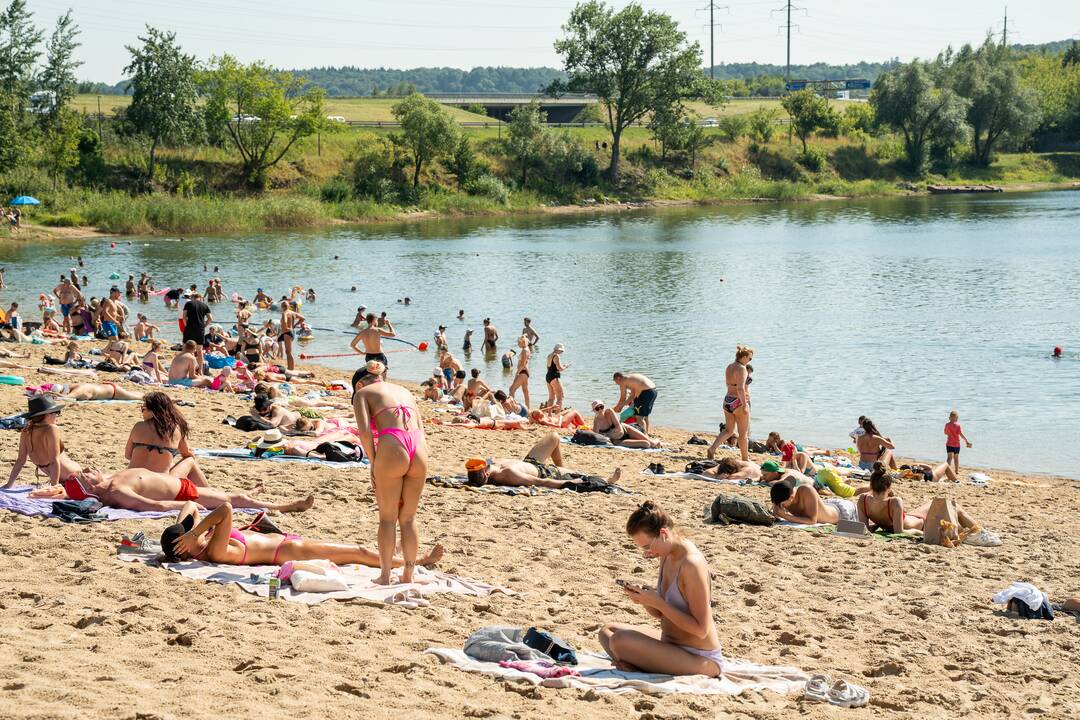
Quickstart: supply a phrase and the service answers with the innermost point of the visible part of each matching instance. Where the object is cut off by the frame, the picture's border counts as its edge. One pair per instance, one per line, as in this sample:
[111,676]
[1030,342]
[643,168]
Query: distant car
[335,118]
[42,102]
[246,119]
[710,122]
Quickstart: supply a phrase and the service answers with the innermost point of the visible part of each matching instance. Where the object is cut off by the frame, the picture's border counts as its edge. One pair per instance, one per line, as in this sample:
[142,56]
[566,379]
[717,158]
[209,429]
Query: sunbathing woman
[119,353]
[881,508]
[476,387]
[798,502]
[213,539]
[873,446]
[607,423]
[159,441]
[931,473]
[548,417]
[277,415]
[90,391]
[40,443]
[731,469]
[274,393]
[687,643]
[791,453]
[264,374]
[386,411]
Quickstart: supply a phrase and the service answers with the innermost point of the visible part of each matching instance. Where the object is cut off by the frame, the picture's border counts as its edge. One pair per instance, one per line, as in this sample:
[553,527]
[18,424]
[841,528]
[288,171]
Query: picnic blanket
[361,581]
[18,500]
[698,476]
[245,454]
[597,673]
[459,482]
[566,441]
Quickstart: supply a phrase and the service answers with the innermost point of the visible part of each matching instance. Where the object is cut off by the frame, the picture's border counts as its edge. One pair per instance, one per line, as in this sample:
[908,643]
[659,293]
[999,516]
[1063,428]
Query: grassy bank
[196,188]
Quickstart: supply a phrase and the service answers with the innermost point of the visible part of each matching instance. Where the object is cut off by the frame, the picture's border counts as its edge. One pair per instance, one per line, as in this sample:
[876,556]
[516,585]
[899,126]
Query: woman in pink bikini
[687,643]
[215,540]
[393,438]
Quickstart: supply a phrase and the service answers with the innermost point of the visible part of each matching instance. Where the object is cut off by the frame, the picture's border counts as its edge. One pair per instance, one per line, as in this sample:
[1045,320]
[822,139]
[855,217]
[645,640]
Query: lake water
[899,309]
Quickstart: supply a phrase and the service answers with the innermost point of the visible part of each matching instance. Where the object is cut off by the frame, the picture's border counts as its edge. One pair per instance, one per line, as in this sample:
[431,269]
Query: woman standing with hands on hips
[687,643]
[393,439]
[553,377]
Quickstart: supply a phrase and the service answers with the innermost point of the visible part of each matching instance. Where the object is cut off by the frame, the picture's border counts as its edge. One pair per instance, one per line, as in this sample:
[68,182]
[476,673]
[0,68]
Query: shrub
[733,127]
[490,187]
[763,124]
[813,159]
[858,117]
[375,159]
[335,190]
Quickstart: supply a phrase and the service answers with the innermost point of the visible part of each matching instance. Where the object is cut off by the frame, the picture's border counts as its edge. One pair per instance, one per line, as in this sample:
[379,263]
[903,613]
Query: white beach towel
[598,674]
[360,579]
[566,441]
[245,454]
[696,476]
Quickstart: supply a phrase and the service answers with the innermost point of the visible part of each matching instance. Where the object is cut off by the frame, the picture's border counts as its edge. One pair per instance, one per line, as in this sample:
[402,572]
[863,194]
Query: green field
[355,109]
[745,106]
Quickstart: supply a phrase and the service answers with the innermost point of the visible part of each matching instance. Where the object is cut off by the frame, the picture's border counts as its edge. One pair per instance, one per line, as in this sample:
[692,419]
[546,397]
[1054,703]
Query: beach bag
[588,437]
[739,510]
[698,467]
[941,510]
[248,423]
[340,451]
[756,446]
[551,645]
[52,361]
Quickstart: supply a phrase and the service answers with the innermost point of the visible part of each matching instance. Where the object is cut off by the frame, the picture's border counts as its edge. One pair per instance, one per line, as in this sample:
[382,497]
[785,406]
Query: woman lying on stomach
[687,643]
[214,539]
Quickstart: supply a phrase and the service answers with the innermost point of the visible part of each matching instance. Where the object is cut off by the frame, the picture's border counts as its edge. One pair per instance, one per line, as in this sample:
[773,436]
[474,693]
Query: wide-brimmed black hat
[42,405]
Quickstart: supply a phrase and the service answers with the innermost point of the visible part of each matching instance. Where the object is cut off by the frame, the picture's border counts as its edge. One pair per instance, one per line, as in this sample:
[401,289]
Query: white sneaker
[983,538]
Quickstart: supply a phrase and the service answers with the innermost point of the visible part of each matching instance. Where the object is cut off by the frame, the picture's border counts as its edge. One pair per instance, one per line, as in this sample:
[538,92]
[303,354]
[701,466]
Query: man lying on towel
[536,471]
[144,490]
[214,539]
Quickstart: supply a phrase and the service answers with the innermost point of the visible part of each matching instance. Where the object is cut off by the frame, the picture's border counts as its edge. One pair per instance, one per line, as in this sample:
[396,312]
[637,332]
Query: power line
[788,8]
[712,7]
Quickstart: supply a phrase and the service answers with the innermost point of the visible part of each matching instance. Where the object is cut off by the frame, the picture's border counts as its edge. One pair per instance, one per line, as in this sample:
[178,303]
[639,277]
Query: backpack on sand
[739,510]
[588,437]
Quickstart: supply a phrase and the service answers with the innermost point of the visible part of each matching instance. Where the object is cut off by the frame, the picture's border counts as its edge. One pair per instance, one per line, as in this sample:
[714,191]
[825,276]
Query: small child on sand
[953,434]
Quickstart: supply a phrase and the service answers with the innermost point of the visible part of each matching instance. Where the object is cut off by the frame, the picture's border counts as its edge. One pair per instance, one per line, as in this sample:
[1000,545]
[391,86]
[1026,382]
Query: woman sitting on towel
[880,508]
[159,441]
[41,444]
[687,643]
[214,539]
[606,422]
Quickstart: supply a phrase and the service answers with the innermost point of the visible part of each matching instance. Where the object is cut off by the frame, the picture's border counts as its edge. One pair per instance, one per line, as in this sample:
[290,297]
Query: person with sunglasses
[159,441]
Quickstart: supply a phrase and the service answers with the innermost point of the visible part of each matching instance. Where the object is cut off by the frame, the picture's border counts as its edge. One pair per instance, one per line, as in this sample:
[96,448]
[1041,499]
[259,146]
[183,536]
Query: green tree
[669,128]
[857,116]
[1057,90]
[733,127]
[808,112]
[1072,55]
[763,124]
[427,130]
[262,111]
[906,100]
[60,149]
[526,135]
[635,61]
[998,103]
[58,76]
[464,163]
[378,168]
[12,140]
[19,41]
[164,91]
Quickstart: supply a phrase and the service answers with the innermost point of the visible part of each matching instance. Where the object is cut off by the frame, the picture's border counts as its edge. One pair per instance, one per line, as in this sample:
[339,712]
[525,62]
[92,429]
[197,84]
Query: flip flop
[848,695]
[817,688]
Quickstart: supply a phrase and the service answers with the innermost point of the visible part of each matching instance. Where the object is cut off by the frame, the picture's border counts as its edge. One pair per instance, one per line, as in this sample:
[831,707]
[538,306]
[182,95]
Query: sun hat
[597,403]
[770,466]
[271,438]
[42,405]
[559,348]
[174,532]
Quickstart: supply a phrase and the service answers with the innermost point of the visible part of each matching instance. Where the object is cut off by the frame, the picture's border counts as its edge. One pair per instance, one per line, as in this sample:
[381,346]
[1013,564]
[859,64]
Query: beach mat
[460,483]
[697,476]
[361,580]
[597,673]
[245,454]
[18,500]
[566,441]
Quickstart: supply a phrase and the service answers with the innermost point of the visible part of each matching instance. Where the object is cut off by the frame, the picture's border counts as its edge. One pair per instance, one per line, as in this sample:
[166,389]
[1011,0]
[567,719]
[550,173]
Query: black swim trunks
[643,403]
[368,357]
[545,471]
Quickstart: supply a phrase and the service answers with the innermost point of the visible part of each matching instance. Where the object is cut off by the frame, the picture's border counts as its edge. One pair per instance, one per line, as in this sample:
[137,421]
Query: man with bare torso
[535,470]
[67,295]
[371,337]
[145,490]
[491,336]
[637,391]
[110,315]
[185,367]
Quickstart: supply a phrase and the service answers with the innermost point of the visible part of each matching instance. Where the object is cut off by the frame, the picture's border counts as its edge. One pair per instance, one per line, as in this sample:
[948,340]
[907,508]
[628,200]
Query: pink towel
[539,667]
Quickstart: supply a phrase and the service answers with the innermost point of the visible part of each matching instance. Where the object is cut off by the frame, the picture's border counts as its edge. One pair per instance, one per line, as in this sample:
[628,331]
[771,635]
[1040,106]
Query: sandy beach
[87,636]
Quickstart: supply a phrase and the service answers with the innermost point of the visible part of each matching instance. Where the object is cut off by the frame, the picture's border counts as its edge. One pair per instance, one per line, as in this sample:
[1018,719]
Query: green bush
[61,219]
[733,127]
[813,159]
[490,187]
[335,190]
[763,124]
[376,159]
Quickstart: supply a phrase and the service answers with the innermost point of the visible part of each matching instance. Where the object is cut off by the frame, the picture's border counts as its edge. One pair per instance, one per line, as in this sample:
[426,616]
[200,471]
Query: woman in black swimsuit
[250,345]
[553,377]
[159,442]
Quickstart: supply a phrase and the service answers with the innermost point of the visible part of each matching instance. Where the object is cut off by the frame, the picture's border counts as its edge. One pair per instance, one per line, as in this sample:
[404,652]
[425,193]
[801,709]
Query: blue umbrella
[25,200]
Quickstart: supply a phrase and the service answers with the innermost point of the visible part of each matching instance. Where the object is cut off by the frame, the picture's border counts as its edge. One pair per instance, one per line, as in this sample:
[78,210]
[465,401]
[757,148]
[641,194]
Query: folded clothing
[539,668]
[495,644]
[1026,600]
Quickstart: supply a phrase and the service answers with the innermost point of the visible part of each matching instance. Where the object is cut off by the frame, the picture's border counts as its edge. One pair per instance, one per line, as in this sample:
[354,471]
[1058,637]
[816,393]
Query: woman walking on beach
[521,379]
[687,643]
[553,377]
[159,441]
[736,403]
[385,411]
[41,444]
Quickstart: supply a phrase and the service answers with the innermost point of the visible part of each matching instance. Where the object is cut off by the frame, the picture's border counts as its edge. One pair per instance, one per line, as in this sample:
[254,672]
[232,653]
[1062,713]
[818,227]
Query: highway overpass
[560,109]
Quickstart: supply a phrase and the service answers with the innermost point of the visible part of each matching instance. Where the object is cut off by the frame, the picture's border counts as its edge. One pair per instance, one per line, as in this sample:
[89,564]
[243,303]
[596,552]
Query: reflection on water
[901,309]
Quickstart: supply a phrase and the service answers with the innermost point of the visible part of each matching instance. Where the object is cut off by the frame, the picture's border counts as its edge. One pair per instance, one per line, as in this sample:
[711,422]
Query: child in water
[953,434]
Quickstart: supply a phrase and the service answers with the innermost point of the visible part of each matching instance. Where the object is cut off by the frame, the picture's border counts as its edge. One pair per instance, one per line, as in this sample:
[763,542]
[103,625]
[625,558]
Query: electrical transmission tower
[712,7]
[788,8]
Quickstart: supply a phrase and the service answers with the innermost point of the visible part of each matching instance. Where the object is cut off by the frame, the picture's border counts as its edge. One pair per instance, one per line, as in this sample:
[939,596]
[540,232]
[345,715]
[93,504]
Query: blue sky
[466,33]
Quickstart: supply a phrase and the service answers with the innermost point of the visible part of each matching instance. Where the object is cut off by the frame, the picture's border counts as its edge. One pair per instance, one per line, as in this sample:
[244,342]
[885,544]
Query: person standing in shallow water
[491,336]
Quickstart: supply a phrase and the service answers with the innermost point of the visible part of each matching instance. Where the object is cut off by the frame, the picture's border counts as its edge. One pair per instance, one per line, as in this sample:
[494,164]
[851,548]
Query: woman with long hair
[873,446]
[41,444]
[521,378]
[392,435]
[736,403]
[159,441]
[555,369]
[687,643]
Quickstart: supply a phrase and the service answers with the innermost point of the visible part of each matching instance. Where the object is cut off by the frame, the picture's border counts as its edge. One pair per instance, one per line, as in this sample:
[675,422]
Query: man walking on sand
[637,391]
